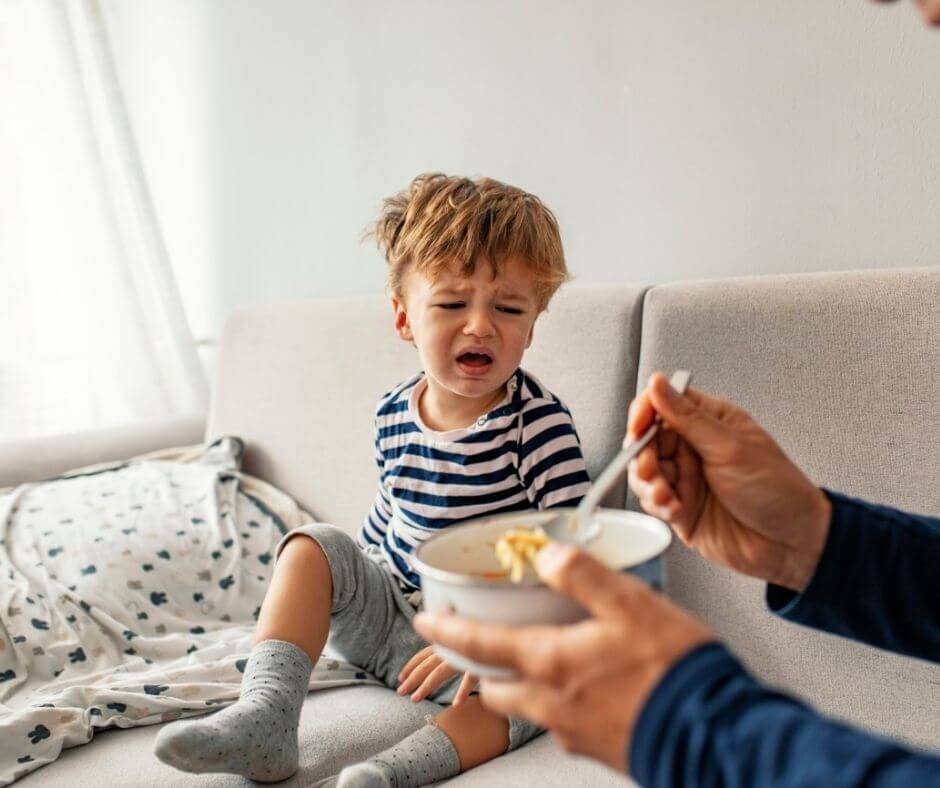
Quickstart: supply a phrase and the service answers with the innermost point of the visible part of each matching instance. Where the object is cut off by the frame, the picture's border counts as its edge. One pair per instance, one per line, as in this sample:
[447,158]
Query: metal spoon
[582,528]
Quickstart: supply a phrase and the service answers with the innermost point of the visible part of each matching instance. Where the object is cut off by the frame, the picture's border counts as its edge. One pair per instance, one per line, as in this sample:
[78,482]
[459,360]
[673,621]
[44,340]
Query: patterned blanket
[128,595]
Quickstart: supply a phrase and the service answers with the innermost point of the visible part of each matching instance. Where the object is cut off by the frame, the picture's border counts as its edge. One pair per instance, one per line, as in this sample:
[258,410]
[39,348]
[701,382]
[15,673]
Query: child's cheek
[520,334]
[441,344]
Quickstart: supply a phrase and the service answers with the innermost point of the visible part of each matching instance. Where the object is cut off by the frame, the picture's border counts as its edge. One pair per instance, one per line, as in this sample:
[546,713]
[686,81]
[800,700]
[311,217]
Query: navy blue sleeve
[878,580]
[709,723]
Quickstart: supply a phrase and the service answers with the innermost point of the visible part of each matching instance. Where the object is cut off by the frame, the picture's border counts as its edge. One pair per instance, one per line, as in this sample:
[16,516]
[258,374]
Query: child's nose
[479,323]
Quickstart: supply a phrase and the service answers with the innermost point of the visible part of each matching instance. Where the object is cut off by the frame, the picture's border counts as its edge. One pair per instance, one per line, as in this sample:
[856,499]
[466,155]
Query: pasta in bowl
[517,548]
[461,571]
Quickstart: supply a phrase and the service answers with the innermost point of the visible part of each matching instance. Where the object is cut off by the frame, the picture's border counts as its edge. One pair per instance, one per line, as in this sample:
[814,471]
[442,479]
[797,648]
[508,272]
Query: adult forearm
[710,723]
[876,581]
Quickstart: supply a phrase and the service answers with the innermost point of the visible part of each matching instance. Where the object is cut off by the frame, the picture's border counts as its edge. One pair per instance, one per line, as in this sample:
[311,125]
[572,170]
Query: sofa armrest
[33,459]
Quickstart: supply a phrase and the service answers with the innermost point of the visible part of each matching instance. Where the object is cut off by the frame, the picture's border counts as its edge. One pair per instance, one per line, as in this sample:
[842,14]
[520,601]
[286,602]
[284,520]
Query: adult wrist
[804,558]
[788,599]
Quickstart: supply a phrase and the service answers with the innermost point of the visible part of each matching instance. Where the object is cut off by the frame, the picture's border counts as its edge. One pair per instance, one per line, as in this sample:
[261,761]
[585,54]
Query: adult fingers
[658,499]
[645,406]
[538,652]
[670,472]
[646,463]
[494,644]
[438,676]
[661,492]
[666,442]
[931,10]
[530,699]
[640,415]
[690,415]
[574,572]
[646,474]
[467,685]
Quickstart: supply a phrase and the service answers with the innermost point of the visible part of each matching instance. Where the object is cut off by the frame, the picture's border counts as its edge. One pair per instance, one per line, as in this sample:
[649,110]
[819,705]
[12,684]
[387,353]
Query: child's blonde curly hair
[441,219]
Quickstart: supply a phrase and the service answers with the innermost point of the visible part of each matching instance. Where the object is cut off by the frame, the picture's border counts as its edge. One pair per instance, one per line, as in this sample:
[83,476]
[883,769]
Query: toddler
[471,266]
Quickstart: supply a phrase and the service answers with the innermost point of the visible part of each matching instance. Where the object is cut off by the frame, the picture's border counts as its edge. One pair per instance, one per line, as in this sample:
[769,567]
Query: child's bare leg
[460,738]
[296,608]
[257,736]
[477,733]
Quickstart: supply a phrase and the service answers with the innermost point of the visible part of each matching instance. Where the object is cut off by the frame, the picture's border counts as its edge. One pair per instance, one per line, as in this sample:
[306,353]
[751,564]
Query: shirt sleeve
[375,526]
[708,722]
[876,580]
[551,464]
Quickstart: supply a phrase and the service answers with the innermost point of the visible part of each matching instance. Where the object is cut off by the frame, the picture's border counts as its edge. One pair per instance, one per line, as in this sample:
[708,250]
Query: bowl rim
[458,579]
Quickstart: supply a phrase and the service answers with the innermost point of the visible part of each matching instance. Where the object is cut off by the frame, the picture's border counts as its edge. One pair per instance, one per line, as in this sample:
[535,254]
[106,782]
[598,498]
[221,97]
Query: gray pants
[371,618]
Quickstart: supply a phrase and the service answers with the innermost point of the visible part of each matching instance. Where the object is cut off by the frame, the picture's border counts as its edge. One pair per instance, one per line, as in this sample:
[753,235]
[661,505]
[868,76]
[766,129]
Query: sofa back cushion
[299,383]
[842,369]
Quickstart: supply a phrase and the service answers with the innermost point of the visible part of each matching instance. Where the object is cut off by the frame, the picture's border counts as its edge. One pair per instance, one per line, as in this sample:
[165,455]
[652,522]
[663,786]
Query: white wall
[673,140]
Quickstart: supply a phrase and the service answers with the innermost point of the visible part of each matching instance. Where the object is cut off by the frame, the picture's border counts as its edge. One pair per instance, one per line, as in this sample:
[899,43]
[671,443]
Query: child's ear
[402,326]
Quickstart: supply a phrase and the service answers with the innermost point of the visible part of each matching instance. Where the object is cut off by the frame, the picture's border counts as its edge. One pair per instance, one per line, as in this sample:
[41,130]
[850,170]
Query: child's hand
[427,671]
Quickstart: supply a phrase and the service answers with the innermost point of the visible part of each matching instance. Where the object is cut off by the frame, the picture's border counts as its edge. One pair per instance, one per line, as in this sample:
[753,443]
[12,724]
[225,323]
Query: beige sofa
[842,368]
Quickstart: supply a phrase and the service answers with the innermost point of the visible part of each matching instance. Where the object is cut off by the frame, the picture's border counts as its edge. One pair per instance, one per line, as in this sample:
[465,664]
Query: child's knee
[321,539]
[295,545]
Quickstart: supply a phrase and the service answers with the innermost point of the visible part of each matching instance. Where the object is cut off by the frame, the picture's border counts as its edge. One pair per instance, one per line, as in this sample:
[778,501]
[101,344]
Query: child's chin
[474,387]
[478,390]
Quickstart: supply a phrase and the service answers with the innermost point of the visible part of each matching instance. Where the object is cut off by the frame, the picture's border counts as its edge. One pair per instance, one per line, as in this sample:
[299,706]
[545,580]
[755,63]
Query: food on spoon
[518,546]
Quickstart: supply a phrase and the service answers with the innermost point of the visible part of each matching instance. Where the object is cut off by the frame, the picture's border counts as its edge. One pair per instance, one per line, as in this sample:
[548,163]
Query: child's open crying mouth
[475,363]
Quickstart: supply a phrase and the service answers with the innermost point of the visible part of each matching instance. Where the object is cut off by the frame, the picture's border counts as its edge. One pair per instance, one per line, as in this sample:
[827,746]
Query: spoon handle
[680,382]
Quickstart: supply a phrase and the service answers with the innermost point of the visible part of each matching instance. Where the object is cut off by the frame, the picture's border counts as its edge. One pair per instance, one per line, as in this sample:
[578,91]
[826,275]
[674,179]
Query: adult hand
[587,683]
[929,8]
[726,487]
[426,671]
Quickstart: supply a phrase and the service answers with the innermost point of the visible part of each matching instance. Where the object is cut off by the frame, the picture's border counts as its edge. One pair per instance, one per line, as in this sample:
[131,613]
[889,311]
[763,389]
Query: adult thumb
[575,573]
[686,416]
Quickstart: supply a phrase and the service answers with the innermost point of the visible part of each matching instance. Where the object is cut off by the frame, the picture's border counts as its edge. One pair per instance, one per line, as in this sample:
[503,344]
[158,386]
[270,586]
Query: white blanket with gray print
[128,595]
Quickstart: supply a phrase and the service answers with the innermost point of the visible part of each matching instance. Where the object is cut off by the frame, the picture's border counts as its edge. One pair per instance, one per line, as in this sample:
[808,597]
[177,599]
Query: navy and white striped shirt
[522,454]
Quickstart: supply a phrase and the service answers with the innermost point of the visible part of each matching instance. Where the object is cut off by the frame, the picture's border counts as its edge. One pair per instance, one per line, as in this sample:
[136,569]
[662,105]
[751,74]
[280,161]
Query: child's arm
[376,523]
[551,464]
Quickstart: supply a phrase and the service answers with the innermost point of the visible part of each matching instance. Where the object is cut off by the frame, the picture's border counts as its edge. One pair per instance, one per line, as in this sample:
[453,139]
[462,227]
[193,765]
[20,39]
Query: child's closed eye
[451,305]
[510,310]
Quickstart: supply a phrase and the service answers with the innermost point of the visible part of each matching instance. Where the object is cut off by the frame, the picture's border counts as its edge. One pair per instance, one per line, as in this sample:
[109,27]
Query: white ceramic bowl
[452,562]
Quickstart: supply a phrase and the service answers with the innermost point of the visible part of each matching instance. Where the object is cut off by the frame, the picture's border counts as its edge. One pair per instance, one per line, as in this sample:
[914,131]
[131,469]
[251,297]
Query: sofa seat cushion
[337,727]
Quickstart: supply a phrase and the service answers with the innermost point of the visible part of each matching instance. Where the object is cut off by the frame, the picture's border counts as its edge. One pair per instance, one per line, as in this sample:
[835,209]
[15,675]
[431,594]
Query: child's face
[471,331]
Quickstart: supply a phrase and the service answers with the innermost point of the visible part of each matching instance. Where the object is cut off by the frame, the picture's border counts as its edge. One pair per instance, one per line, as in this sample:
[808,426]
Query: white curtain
[92,329]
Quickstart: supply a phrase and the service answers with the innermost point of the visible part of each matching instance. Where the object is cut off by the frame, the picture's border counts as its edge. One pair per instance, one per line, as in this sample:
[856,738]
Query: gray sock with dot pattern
[426,756]
[257,736]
